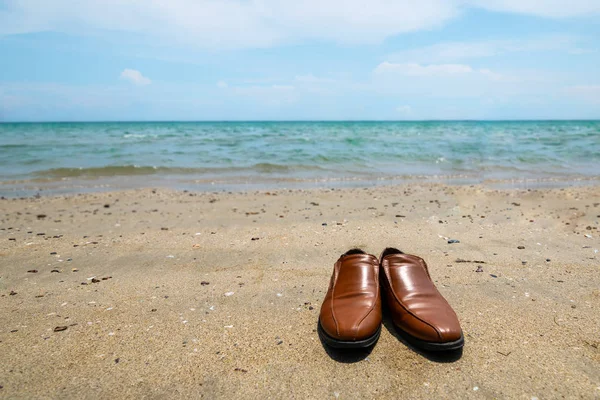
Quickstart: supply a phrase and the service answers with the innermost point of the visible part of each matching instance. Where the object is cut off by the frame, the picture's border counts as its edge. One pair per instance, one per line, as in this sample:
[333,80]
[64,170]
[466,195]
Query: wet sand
[166,294]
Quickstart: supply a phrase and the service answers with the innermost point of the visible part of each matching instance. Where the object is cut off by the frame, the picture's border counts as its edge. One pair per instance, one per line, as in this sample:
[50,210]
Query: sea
[62,158]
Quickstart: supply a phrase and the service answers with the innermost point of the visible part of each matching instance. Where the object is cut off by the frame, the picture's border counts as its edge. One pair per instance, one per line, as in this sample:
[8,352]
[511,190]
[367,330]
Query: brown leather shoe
[351,312]
[421,314]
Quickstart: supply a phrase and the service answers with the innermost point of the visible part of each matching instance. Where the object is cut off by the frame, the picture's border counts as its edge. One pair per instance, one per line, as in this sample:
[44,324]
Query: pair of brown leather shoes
[351,312]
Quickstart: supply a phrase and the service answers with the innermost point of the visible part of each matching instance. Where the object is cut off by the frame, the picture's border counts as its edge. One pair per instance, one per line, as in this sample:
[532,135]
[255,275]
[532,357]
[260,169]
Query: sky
[91,60]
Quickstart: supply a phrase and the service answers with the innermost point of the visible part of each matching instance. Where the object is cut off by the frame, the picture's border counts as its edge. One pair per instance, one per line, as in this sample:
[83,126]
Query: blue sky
[288,60]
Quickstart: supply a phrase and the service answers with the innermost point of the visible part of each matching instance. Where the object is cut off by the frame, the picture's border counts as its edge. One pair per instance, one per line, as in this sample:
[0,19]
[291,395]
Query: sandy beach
[172,294]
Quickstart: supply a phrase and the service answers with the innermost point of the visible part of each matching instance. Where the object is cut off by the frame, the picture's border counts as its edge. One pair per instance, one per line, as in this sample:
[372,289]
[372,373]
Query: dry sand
[531,318]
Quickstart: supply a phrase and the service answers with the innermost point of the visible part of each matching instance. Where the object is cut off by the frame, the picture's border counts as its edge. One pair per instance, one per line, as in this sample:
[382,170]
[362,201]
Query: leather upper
[351,309]
[416,306]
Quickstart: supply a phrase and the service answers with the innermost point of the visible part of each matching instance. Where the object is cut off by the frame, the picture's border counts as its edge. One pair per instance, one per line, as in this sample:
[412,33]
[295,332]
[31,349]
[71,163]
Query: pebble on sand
[451,241]
[60,328]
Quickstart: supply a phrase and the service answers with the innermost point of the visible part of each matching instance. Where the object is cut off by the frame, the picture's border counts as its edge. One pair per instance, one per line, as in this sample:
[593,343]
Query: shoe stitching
[335,276]
[336,268]
[374,303]
[390,287]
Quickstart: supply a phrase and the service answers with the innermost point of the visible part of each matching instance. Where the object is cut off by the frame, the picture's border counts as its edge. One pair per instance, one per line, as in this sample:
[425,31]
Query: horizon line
[299,120]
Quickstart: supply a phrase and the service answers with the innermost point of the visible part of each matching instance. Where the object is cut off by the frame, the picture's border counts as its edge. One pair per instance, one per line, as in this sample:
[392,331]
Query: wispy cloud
[580,51]
[231,23]
[413,69]
[135,77]
[457,51]
[405,111]
[310,78]
[547,8]
[440,70]
[261,23]
[455,81]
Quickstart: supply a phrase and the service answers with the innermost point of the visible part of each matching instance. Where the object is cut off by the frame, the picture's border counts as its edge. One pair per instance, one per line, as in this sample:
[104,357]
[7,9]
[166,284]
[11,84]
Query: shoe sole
[431,346]
[347,344]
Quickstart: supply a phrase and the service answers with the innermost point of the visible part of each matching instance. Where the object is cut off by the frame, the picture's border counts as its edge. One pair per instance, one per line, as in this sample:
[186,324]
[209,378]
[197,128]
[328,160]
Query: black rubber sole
[432,346]
[347,344]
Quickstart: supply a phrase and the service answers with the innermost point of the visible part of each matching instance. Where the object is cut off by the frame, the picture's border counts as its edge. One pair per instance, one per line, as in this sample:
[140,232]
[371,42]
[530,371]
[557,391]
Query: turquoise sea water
[76,156]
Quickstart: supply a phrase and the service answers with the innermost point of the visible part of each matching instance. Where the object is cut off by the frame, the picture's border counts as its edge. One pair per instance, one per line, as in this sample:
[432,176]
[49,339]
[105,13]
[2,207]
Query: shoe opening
[390,250]
[353,251]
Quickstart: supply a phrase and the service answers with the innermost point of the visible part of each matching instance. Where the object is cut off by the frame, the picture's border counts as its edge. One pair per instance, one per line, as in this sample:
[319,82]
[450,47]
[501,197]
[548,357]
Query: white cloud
[492,75]
[542,8]
[585,89]
[222,84]
[310,78]
[135,77]
[405,110]
[456,81]
[413,69]
[436,70]
[283,87]
[579,51]
[261,23]
[456,51]
[231,23]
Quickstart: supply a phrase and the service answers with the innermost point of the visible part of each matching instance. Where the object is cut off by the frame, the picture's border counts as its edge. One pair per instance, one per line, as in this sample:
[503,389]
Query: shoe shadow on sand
[350,356]
[435,356]
[347,356]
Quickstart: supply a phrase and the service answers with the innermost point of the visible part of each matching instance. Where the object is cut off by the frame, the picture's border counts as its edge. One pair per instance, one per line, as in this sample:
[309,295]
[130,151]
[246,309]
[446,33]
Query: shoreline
[70,186]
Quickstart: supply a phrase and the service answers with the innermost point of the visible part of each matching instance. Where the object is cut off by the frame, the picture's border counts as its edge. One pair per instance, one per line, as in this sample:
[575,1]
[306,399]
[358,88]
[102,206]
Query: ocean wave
[138,136]
[15,146]
[296,149]
[136,170]
[120,170]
